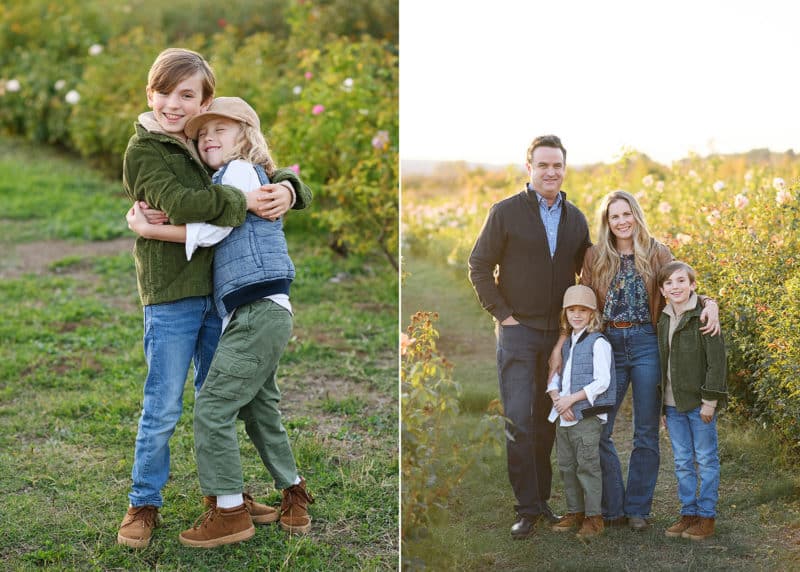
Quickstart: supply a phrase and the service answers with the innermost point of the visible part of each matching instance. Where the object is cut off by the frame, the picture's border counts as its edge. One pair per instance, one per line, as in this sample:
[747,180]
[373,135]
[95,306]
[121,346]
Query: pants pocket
[230,373]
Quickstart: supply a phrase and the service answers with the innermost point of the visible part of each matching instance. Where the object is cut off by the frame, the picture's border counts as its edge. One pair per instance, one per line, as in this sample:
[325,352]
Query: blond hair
[595,324]
[174,65]
[251,146]
[607,257]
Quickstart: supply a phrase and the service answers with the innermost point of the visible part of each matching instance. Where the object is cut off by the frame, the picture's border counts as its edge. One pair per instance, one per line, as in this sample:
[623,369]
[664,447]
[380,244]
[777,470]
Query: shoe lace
[295,495]
[208,515]
[147,514]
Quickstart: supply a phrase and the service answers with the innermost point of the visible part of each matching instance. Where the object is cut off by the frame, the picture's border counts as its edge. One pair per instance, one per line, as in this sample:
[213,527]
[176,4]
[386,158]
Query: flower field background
[323,77]
[735,219]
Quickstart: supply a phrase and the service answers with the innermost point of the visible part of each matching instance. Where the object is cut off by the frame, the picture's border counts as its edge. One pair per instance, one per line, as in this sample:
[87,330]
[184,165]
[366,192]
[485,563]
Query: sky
[480,79]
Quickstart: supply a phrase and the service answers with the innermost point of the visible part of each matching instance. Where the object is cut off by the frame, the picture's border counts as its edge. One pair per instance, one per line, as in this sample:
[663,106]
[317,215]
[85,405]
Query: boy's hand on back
[270,201]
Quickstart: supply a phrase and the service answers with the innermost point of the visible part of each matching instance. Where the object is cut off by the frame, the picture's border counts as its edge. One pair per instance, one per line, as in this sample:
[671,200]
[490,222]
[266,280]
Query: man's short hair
[545,141]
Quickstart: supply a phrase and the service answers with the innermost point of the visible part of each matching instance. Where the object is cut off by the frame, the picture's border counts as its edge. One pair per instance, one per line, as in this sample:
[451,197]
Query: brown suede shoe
[260,513]
[592,526]
[294,508]
[677,529]
[219,526]
[138,525]
[700,530]
[571,521]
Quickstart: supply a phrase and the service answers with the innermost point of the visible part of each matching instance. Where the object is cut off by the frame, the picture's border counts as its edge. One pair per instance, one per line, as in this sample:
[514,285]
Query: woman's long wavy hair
[607,259]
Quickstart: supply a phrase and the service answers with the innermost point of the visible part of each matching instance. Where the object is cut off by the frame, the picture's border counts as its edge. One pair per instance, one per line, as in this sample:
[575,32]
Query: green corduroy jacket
[698,365]
[163,172]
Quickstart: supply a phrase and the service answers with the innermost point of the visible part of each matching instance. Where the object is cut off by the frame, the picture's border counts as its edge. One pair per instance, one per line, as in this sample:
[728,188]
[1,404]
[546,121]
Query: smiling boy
[693,385]
[181,326]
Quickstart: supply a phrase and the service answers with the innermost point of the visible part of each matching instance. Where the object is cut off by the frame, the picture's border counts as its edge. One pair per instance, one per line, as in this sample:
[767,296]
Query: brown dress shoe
[592,526]
[138,525]
[571,521]
[676,530]
[219,526]
[294,508]
[700,530]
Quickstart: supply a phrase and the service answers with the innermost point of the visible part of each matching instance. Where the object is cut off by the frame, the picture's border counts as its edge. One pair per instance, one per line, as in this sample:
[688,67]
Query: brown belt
[620,325]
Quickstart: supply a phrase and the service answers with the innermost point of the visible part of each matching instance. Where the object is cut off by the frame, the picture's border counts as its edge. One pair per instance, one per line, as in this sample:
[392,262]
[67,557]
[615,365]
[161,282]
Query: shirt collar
[541,200]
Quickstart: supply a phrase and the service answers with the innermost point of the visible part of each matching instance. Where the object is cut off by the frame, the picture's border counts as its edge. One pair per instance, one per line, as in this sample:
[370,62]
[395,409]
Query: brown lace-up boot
[137,526]
[219,526]
[571,521]
[700,530]
[677,529]
[260,513]
[294,508]
[592,526]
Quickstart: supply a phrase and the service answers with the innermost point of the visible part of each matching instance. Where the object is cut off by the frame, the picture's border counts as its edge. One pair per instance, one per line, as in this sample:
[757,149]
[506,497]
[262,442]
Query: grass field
[71,373]
[759,509]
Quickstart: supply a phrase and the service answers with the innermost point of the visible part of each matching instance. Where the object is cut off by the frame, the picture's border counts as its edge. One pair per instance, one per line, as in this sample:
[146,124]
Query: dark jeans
[522,354]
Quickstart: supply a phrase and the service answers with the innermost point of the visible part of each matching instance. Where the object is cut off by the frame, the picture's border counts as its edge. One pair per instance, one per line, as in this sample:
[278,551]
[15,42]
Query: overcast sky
[480,79]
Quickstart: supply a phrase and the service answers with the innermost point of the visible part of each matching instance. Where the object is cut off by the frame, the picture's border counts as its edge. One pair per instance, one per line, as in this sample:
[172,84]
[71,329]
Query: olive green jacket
[697,365]
[168,175]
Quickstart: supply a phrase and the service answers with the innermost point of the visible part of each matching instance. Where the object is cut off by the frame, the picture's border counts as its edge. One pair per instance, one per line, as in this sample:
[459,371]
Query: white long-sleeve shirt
[601,376]
[243,176]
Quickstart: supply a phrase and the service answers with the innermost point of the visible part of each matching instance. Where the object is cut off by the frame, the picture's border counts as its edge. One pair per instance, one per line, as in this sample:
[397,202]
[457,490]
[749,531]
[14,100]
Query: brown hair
[174,65]
[668,269]
[545,141]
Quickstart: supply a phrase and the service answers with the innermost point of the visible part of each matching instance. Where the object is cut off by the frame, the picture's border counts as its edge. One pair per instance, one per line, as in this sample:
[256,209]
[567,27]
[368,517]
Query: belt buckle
[621,325]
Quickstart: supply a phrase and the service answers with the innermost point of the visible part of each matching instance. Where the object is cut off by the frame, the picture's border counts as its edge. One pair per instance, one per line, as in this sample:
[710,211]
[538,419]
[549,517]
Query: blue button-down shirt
[551,215]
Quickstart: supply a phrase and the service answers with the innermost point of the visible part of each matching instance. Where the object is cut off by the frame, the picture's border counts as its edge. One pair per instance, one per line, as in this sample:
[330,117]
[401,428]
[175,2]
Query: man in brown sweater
[535,241]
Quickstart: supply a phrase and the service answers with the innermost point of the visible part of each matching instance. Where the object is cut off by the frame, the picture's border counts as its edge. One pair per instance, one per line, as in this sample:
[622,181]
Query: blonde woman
[621,268]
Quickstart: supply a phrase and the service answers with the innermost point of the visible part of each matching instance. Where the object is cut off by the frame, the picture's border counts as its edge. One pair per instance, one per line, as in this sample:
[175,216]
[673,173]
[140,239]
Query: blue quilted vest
[252,262]
[581,375]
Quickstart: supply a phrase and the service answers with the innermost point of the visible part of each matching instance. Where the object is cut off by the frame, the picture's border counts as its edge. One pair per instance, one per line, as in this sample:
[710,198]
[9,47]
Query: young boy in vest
[693,387]
[252,276]
[181,325]
[582,396]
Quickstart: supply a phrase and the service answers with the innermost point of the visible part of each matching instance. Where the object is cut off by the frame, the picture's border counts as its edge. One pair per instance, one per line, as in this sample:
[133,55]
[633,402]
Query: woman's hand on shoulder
[710,318]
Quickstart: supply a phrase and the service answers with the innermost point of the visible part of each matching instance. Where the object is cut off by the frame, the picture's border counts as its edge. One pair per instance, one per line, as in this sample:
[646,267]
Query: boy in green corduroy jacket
[693,387]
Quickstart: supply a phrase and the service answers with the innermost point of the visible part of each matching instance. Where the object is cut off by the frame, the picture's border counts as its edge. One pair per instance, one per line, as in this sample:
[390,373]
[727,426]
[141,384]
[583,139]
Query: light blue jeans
[694,441]
[175,335]
[637,364]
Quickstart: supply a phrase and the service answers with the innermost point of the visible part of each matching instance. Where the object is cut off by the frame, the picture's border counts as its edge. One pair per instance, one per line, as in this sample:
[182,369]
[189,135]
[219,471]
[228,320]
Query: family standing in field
[214,284]
[567,352]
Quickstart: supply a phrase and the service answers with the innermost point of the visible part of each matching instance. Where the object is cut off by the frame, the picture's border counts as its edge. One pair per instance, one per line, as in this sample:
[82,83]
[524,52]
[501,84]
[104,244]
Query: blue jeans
[637,364]
[175,335]
[694,441]
[522,354]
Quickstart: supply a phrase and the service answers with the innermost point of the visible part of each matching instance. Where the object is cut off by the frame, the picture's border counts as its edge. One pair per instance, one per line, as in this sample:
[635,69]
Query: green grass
[71,373]
[758,525]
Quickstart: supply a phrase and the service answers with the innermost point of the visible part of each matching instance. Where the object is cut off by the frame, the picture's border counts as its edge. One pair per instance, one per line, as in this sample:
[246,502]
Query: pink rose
[309,75]
[317,109]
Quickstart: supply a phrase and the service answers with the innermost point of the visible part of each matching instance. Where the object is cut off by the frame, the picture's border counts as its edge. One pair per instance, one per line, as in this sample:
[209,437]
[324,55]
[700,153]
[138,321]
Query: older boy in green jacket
[693,385]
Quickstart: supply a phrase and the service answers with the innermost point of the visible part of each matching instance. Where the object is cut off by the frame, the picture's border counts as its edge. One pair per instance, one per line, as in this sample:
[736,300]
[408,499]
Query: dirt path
[36,257]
